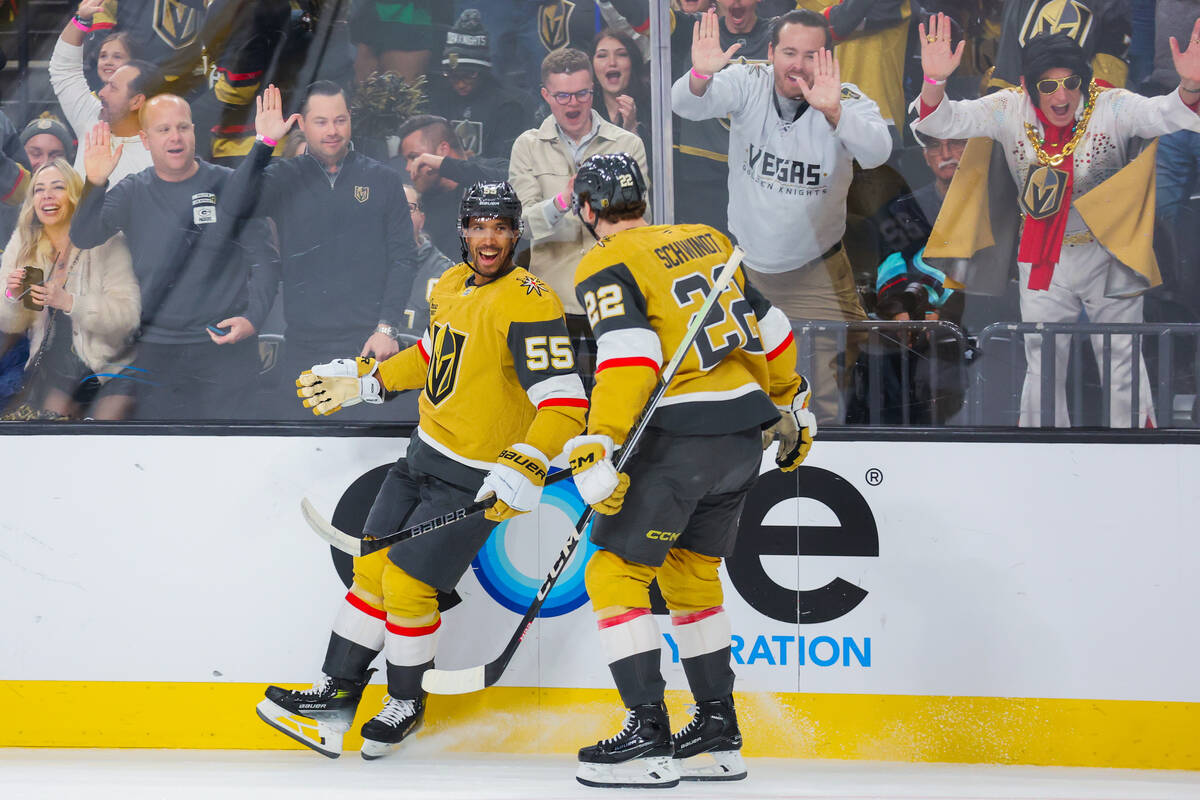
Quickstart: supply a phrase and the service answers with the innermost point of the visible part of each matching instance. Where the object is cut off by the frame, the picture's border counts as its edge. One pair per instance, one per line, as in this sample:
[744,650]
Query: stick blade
[453,681]
[342,541]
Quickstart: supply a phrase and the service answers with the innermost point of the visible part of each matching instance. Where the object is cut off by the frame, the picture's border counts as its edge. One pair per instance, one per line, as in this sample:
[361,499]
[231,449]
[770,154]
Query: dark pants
[193,381]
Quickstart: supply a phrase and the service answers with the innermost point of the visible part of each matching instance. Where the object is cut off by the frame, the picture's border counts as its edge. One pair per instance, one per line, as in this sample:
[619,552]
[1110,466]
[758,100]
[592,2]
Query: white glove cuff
[369,389]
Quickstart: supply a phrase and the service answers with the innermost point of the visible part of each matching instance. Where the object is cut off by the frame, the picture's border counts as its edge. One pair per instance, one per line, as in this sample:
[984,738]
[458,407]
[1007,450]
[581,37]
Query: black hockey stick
[361,547]
[472,679]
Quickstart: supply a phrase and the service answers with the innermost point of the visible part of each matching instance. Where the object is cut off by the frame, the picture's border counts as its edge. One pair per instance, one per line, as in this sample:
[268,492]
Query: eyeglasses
[562,98]
[1050,85]
[413,208]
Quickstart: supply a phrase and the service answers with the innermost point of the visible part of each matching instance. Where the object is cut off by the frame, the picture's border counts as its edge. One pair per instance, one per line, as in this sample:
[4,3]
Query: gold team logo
[1044,191]
[1071,17]
[531,285]
[447,345]
[554,20]
[361,193]
[176,23]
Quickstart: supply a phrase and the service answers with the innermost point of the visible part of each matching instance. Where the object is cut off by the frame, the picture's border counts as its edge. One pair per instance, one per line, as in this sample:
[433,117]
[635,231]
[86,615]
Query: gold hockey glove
[796,428]
[341,383]
[516,482]
[598,482]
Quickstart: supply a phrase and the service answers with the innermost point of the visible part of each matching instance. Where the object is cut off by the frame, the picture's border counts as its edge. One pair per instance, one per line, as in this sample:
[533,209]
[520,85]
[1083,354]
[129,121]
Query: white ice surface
[135,774]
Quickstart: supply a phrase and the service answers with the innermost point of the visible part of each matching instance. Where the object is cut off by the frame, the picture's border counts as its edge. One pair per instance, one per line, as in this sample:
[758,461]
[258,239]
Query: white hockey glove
[341,383]
[598,482]
[516,481]
[795,430]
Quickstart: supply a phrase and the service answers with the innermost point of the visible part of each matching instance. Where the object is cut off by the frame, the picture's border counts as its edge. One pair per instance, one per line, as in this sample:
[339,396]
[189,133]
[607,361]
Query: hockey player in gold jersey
[500,398]
[675,514]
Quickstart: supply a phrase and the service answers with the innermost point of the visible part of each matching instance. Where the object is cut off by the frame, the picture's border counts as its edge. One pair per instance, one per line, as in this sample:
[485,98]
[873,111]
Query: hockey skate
[316,717]
[639,756]
[384,733]
[709,747]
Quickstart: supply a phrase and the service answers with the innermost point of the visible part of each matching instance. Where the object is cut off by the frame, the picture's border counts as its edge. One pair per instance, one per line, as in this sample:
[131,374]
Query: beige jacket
[106,311]
[539,169]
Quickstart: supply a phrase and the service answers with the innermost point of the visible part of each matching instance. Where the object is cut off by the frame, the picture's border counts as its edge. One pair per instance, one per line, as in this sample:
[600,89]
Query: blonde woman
[80,339]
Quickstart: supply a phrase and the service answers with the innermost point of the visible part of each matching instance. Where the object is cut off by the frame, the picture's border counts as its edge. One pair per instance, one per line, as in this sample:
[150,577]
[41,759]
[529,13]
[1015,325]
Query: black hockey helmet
[610,182]
[489,200]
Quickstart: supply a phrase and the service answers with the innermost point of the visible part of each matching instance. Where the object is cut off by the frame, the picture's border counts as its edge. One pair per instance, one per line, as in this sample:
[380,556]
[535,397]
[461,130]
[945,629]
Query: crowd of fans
[182,239]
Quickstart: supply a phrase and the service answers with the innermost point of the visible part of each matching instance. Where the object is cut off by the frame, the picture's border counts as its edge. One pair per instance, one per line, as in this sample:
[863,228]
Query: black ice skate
[709,747]
[316,717]
[399,718]
[638,756]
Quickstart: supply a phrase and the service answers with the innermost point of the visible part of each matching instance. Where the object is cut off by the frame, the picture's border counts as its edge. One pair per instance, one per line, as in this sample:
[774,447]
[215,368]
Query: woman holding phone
[80,307]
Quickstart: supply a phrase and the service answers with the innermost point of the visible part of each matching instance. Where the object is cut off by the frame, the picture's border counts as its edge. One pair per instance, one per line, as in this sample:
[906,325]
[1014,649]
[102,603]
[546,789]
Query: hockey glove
[598,482]
[795,430]
[516,482]
[344,382]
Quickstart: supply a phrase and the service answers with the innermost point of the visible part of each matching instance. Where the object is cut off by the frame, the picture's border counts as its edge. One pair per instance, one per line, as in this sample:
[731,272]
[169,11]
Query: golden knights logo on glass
[1044,190]
[1071,17]
[447,345]
[175,23]
[554,20]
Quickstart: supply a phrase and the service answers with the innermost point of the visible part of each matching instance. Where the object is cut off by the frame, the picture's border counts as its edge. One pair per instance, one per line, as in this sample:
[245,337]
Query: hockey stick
[472,679]
[361,547]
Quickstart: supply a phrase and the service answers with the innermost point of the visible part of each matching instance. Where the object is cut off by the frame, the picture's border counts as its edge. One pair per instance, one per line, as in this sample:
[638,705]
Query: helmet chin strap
[510,264]
[591,228]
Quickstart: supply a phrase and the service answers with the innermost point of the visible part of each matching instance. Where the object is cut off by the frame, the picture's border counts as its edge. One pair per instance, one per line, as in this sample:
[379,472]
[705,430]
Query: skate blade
[720,765]
[372,749]
[319,736]
[657,772]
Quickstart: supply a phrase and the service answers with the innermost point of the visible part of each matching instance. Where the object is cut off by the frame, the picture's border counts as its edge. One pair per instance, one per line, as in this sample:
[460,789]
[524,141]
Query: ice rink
[413,775]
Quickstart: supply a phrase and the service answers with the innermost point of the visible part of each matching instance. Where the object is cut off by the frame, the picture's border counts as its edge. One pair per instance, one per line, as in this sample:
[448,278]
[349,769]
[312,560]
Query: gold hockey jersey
[497,367]
[640,288]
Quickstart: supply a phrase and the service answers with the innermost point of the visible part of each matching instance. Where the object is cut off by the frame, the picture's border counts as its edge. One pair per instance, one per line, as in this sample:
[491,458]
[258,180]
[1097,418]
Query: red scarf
[1042,239]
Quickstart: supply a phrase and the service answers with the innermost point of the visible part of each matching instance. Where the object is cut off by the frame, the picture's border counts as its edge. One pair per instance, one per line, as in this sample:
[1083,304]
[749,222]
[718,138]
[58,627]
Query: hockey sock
[703,640]
[630,641]
[409,646]
[356,639]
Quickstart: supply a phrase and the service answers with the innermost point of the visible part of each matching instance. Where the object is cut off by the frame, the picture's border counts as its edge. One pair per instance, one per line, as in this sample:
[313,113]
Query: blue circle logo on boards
[515,590]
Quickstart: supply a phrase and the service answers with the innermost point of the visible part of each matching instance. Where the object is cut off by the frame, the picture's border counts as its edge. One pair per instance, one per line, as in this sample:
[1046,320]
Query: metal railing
[889,372]
[1006,339]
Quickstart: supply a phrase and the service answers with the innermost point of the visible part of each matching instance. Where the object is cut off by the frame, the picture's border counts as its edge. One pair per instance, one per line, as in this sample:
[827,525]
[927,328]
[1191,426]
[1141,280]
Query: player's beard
[498,267]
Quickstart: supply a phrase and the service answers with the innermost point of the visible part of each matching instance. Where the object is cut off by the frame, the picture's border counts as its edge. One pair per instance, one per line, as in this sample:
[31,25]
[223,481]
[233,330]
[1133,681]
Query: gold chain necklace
[1080,130]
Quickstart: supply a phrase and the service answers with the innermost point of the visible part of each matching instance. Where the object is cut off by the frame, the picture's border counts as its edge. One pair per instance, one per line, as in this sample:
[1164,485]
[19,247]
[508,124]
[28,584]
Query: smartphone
[217,331]
[33,277]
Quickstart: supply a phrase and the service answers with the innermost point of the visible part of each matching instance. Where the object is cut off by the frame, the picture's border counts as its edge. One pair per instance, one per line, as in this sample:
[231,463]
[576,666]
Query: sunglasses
[1050,85]
[562,98]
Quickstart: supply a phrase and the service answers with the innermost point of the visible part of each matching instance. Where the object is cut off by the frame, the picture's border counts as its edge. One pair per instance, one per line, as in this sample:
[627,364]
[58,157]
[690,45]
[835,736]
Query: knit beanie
[47,123]
[467,42]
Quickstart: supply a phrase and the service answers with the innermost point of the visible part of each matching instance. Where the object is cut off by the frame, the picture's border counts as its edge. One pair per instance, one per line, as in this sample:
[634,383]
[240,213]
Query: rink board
[973,602]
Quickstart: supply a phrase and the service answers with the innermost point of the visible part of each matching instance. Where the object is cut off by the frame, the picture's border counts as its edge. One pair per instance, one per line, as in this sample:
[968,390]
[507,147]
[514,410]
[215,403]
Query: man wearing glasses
[1086,243]
[542,170]
[431,263]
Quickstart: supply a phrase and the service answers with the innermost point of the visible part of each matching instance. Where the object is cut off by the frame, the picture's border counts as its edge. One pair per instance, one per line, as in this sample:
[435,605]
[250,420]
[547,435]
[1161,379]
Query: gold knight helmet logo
[175,23]
[1072,17]
[554,21]
[447,345]
[1044,191]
